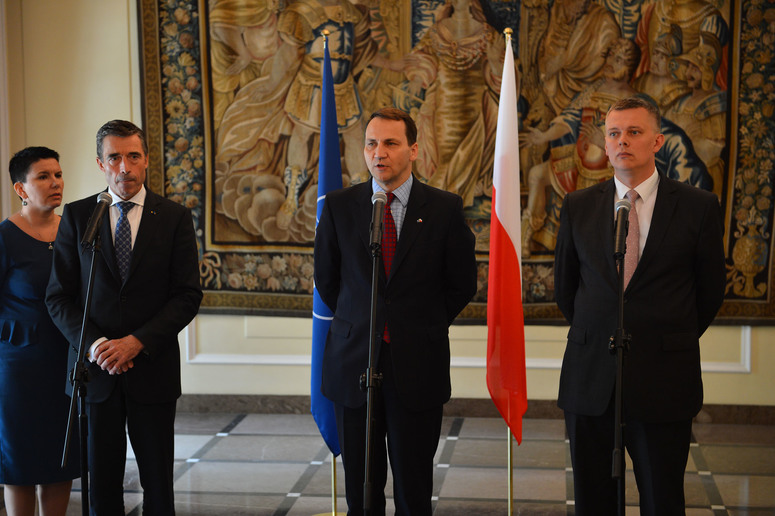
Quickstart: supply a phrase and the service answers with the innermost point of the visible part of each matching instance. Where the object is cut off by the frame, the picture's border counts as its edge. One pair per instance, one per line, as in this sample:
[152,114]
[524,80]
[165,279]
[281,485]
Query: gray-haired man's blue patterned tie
[123,239]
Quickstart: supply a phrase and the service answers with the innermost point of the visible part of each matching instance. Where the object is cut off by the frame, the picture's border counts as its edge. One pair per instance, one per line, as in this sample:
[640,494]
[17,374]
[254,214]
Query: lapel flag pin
[419,220]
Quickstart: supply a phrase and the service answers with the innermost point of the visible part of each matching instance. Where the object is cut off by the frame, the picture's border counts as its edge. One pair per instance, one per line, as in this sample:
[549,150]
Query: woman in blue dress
[33,354]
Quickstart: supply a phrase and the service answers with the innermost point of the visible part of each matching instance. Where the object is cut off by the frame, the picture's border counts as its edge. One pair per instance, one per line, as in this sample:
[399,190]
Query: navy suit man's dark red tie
[389,237]
[389,241]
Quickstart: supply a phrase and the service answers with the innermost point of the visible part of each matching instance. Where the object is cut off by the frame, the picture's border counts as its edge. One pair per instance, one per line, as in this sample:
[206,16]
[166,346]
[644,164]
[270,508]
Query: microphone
[104,201]
[622,209]
[379,199]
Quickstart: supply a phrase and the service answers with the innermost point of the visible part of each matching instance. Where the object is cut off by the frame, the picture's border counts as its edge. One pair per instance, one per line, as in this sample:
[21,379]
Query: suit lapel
[108,251]
[411,226]
[363,218]
[598,226]
[604,209]
[148,225]
[660,221]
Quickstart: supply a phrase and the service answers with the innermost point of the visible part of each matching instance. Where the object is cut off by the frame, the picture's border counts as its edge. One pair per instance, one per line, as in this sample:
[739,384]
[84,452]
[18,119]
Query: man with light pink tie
[675,277]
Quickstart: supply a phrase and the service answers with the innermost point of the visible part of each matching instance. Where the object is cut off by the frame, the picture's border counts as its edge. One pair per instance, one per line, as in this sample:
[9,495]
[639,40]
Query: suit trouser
[412,438]
[659,452]
[151,429]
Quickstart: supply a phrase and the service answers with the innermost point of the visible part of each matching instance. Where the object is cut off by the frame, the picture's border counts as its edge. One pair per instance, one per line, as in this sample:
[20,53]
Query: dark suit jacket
[673,296]
[159,298]
[432,279]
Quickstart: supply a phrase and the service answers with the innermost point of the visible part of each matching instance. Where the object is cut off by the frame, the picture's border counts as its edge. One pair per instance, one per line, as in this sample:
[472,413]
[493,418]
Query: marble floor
[277,465]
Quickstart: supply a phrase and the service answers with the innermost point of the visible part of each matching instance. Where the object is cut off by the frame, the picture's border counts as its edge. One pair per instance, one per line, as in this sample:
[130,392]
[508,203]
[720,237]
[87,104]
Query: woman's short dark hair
[22,161]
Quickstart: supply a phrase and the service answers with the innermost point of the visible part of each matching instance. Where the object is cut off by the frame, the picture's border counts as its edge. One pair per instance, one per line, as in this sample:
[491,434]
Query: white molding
[243,359]
[742,366]
[189,340]
[304,360]
[530,363]
[192,357]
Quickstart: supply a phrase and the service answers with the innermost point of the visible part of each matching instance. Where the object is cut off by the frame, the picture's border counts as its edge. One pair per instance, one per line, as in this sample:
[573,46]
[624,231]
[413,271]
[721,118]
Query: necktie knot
[632,196]
[124,207]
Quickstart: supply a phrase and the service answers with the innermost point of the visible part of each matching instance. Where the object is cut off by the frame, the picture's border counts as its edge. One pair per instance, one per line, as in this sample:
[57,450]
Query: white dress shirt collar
[645,190]
[138,198]
[401,193]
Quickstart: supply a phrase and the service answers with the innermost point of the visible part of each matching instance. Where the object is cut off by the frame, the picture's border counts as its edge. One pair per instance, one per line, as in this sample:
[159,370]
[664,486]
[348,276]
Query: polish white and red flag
[505,319]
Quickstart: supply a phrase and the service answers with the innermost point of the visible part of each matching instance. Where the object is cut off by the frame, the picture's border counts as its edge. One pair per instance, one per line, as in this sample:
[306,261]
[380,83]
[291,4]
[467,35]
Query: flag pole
[333,484]
[333,492]
[333,488]
[510,462]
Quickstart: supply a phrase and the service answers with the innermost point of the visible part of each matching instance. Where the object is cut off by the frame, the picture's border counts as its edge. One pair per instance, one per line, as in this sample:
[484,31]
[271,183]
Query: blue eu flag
[329,178]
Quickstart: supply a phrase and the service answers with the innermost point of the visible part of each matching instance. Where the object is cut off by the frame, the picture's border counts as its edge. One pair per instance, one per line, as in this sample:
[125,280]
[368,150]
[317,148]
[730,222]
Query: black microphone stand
[79,377]
[371,380]
[619,343]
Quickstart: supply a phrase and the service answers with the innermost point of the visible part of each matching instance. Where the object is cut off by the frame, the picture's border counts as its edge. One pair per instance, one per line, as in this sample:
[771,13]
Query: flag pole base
[333,492]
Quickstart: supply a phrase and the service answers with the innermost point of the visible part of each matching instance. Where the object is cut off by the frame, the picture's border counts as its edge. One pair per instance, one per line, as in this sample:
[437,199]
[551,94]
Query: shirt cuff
[93,347]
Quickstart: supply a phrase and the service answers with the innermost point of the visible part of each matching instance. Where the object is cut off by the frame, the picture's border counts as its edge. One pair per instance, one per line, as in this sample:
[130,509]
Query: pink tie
[633,239]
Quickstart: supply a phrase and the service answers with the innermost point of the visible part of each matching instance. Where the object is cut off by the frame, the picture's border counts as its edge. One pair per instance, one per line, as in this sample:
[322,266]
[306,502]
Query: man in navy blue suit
[675,291]
[431,279]
[136,314]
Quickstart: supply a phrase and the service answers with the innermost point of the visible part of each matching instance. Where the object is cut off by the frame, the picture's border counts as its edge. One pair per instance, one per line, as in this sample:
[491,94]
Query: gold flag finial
[508,32]
[325,37]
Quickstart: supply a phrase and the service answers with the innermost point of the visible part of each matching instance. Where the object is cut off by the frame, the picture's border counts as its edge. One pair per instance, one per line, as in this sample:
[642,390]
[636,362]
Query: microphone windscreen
[379,197]
[623,204]
[104,197]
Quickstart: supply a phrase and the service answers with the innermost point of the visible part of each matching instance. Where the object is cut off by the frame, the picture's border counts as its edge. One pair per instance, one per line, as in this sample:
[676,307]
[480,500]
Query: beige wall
[71,69]
[73,65]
